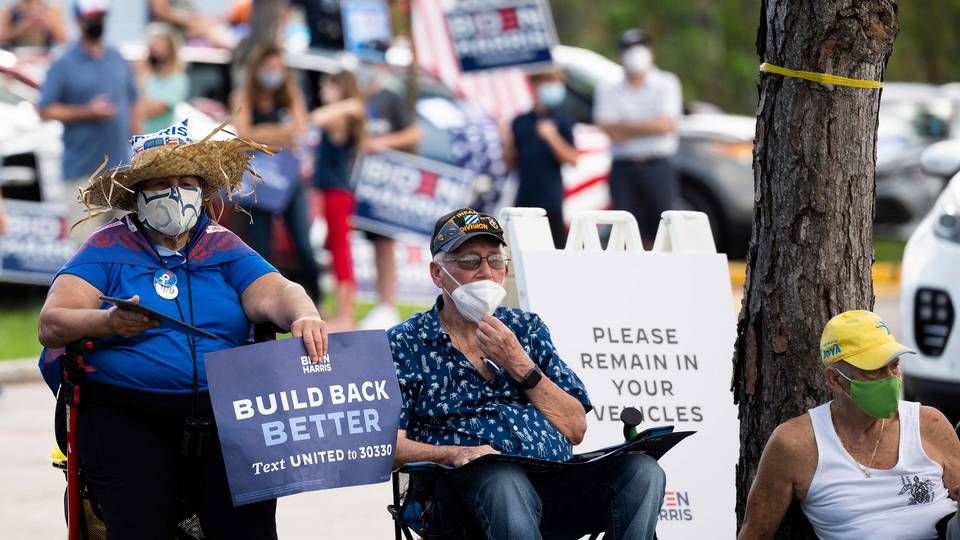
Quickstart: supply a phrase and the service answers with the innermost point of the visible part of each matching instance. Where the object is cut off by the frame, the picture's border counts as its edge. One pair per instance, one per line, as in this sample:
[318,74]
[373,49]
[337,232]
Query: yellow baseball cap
[860,338]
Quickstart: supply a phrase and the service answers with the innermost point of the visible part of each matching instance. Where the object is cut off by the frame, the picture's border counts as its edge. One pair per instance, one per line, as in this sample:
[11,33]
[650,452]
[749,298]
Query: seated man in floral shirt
[481,379]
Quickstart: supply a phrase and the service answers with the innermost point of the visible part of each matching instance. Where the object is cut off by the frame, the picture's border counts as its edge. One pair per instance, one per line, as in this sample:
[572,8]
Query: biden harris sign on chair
[289,425]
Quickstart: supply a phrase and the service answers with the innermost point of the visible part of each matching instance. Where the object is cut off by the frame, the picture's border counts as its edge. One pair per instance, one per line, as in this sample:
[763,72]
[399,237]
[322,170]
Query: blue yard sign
[36,244]
[399,193]
[287,425]
[500,33]
[366,28]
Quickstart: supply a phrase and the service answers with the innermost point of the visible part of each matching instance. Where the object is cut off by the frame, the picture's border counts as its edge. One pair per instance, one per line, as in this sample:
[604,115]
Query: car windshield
[915,119]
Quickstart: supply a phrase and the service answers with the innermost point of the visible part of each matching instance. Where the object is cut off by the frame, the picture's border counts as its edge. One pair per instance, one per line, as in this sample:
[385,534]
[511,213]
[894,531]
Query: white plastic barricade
[652,330]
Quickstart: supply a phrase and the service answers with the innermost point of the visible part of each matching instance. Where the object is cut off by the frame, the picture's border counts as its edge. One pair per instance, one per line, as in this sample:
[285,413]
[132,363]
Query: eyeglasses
[472,261]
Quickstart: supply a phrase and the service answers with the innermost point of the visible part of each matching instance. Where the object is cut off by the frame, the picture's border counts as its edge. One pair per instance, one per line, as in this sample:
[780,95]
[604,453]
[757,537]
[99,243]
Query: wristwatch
[532,379]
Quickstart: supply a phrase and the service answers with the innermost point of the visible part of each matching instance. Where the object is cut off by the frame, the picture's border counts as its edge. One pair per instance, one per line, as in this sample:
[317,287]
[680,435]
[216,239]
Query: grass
[18,332]
[889,249]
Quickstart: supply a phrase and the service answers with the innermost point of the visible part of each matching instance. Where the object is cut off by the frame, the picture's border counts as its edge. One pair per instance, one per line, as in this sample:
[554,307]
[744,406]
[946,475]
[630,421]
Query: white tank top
[902,503]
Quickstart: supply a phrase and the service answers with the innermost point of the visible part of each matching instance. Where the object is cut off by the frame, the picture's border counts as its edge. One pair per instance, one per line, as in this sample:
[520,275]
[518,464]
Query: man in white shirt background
[640,115]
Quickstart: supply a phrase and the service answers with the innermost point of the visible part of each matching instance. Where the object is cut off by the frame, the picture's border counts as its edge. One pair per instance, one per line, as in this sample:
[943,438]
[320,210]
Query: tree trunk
[811,248]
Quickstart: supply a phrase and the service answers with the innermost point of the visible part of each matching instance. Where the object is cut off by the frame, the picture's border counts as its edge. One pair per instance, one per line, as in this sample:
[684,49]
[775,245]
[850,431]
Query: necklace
[866,470]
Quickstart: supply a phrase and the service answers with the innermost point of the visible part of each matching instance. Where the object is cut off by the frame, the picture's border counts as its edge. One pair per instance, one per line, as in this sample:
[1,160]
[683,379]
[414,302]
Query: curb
[886,275]
[19,371]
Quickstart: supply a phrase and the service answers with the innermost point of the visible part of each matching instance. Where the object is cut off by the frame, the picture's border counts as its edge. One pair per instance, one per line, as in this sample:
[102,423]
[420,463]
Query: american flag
[502,93]
[505,93]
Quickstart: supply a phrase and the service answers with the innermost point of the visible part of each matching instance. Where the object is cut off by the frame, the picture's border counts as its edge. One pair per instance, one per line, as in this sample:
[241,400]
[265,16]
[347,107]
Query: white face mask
[171,211]
[638,59]
[477,299]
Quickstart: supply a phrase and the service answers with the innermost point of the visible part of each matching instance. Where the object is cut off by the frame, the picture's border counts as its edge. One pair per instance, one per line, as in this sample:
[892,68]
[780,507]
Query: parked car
[454,131]
[929,290]
[35,244]
[912,117]
[714,159]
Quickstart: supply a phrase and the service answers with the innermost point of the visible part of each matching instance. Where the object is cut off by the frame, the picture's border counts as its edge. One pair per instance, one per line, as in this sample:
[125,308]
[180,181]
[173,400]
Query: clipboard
[165,320]
[654,442]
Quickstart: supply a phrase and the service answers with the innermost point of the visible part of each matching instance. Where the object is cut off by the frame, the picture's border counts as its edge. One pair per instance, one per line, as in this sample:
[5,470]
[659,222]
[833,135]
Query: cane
[74,370]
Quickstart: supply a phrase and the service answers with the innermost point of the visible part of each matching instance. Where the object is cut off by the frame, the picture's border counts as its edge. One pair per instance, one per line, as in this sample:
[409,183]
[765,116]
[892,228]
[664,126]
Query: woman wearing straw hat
[149,383]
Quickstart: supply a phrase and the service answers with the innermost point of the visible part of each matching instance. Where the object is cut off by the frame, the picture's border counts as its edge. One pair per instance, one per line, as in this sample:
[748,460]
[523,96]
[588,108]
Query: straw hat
[220,165]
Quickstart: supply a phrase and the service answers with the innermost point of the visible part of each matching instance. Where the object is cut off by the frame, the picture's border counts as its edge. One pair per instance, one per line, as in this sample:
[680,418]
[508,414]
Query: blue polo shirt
[159,360]
[539,171]
[447,402]
[75,78]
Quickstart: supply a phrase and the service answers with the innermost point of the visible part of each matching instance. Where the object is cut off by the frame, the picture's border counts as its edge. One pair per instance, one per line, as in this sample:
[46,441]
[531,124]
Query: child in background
[341,122]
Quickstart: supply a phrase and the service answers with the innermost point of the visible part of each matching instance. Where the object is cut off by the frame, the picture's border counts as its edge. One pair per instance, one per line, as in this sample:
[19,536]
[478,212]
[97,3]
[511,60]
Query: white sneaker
[382,316]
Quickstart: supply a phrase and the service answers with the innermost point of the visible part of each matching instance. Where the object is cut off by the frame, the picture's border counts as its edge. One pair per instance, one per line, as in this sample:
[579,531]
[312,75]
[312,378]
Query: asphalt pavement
[31,506]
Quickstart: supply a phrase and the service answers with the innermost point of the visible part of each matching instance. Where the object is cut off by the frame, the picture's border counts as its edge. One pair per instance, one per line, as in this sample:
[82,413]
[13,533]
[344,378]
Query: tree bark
[811,249]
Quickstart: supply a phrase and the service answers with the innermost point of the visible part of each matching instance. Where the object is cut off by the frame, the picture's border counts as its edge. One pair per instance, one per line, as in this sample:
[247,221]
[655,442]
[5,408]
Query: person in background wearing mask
[271,109]
[164,83]
[538,144]
[865,464]
[640,115]
[32,23]
[91,90]
[341,121]
[391,125]
[480,379]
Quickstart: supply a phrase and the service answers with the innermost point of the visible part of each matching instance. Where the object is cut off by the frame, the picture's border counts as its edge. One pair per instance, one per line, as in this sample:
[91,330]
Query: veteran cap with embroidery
[455,228]
[861,339]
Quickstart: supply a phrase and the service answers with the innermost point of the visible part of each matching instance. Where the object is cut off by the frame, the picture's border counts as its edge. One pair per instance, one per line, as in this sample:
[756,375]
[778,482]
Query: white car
[930,289]
[36,243]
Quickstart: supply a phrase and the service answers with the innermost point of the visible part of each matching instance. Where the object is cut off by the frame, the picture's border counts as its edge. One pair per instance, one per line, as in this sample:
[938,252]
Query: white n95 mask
[638,59]
[172,211]
[477,299]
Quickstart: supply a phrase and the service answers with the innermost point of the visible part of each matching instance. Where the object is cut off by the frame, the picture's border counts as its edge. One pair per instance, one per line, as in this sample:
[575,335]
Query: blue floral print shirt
[448,402]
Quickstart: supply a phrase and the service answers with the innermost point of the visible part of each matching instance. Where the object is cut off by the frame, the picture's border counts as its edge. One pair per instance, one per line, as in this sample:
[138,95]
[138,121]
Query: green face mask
[878,398]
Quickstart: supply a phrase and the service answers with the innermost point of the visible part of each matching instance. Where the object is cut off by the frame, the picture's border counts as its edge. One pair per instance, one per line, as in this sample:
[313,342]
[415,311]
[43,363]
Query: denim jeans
[297,218]
[620,496]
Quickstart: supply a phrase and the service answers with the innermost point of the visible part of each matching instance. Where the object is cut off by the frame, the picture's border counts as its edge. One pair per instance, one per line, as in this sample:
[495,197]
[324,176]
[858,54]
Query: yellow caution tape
[822,78]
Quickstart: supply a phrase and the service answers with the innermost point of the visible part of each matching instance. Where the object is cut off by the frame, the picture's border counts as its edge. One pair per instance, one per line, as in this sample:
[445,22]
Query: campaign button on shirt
[165,283]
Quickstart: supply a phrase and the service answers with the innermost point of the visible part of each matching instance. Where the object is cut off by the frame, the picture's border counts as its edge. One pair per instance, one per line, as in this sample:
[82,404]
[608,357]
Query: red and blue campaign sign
[36,242]
[494,34]
[400,193]
[287,425]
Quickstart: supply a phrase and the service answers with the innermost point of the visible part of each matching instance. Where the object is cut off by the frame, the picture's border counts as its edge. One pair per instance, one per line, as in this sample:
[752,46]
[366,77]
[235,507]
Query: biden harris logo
[309,366]
[676,506]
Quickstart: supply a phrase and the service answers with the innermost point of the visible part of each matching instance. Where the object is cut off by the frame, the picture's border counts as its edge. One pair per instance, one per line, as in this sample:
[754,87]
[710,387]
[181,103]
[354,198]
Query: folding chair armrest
[422,466]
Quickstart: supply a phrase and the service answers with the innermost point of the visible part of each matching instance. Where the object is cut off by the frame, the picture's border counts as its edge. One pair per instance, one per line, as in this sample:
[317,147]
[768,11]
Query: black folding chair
[408,509]
[410,506]
[81,510]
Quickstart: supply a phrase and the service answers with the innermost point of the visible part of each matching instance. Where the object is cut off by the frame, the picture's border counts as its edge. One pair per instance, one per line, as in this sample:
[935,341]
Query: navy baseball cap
[455,228]
[631,37]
